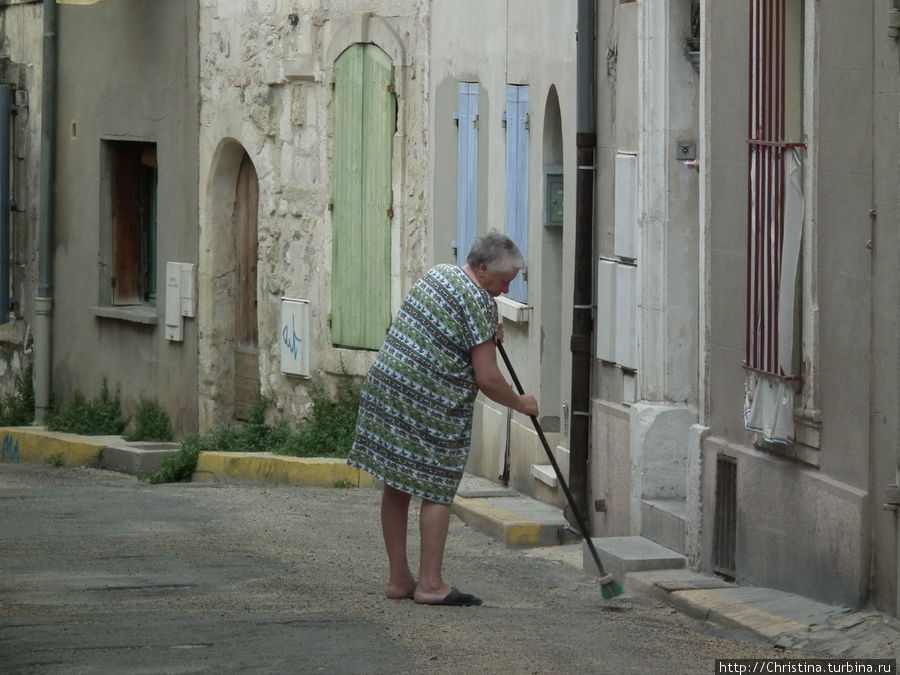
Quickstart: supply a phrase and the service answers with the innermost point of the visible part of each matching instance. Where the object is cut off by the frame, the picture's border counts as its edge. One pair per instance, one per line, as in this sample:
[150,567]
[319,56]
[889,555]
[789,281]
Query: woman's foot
[401,591]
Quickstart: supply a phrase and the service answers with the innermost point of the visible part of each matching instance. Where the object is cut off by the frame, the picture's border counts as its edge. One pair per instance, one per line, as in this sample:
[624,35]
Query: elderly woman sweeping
[415,412]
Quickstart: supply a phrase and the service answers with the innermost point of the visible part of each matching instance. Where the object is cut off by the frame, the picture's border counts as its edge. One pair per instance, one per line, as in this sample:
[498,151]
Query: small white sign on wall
[295,337]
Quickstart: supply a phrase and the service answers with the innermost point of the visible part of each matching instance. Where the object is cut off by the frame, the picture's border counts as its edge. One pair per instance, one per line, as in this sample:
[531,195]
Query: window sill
[512,310]
[145,314]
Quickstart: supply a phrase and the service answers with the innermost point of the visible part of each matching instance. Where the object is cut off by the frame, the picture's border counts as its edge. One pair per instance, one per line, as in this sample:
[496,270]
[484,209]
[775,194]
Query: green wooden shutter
[365,122]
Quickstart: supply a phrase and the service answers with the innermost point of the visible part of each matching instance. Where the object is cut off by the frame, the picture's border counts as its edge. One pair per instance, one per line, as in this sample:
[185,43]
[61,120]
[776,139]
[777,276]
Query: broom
[609,588]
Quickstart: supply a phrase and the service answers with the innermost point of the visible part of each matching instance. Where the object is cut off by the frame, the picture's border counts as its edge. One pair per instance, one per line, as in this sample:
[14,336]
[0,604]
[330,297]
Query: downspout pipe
[6,202]
[43,304]
[582,310]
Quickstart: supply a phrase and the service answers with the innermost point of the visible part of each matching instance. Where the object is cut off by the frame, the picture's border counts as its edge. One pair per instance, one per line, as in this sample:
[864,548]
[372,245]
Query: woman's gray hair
[497,251]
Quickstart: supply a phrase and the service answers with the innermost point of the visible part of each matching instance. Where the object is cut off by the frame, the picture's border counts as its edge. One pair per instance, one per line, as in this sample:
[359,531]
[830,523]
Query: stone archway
[228,343]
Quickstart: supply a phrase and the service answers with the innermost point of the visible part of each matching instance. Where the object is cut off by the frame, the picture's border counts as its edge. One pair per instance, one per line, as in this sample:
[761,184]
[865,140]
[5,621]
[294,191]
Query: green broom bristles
[611,590]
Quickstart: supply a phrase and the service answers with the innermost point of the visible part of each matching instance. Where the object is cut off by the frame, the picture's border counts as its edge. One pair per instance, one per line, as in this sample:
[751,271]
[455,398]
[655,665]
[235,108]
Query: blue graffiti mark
[291,339]
[10,452]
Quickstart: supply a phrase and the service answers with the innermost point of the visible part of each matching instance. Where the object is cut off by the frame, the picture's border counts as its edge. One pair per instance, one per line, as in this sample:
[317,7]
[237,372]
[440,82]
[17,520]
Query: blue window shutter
[517,97]
[467,172]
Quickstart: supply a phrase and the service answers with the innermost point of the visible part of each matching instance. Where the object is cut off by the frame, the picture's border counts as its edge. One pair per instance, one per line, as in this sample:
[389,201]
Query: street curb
[25,444]
[714,605]
[264,467]
[36,445]
[717,607]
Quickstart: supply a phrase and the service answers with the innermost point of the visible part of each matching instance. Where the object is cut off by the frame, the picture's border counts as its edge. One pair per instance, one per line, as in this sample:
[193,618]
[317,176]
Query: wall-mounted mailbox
[179,298]
[553,197]
[295,337]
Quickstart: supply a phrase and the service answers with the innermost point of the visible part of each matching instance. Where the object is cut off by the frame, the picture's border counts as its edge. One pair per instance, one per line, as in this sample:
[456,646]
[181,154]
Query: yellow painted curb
[264,467]
[739,613]
[35,446]
[500,523]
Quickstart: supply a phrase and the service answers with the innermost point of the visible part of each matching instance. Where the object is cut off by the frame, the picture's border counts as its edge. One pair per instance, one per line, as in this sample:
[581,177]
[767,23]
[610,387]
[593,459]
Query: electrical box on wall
[626,205]
[553,196]
[295,337]
[179,298]
[605,325]
[626,316]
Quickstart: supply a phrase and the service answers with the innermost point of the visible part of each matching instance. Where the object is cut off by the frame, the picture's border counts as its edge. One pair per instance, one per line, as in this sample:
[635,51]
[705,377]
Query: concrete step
[663,521]
[136,458]
[623,555]
[511,518]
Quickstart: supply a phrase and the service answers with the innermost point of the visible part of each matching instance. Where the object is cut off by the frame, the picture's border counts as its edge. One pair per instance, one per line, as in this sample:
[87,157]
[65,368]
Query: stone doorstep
[516,521]
[136,458]
[664,521]
[621,556]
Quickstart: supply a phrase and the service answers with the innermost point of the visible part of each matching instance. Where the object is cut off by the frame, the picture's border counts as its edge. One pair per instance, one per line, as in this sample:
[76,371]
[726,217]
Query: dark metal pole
[582,310]
[43,305]
[6,107]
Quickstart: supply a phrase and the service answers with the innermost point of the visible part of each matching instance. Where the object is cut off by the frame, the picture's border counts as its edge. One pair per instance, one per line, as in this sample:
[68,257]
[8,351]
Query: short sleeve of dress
[480,313]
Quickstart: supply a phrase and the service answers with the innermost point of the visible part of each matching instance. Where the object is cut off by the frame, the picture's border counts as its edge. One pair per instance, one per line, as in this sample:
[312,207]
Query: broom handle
[562,482]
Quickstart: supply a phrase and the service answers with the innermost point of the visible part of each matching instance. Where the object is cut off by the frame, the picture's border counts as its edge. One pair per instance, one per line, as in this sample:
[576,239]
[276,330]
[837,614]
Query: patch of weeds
[343,483]
[99,417]
[179,468]
[56,459]
[331,425]
[151,423]
[252,435]
[17,409]
[327,432]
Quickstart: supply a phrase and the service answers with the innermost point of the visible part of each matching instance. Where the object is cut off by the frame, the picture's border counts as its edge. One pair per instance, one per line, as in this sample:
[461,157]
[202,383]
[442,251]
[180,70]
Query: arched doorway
[229,380]
[246,248]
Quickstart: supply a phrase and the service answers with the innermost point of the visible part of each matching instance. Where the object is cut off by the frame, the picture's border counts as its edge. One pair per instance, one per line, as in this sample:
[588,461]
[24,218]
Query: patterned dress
[415,411]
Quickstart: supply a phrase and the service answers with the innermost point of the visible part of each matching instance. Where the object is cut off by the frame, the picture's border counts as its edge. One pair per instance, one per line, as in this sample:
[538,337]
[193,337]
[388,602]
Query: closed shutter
[365,122]
[467,171]
[125,182]
[517,179]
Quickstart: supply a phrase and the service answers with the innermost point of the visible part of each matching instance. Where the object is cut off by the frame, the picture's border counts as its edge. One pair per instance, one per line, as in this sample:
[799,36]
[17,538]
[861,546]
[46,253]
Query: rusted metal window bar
[767,148]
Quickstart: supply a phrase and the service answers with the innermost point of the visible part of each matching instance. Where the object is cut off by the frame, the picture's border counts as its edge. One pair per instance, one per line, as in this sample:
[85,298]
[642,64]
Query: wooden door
[246,332]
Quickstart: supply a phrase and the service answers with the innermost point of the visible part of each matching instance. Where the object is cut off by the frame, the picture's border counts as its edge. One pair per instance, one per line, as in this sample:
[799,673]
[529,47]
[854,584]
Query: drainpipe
[582,310]
[6,203]
[43,302]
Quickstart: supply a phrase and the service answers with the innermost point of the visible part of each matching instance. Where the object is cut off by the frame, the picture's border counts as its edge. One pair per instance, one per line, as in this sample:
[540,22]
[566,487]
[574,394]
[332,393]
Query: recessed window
[129,244]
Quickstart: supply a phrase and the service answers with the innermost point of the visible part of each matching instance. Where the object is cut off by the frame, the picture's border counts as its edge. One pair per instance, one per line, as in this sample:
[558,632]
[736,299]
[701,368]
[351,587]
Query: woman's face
[495,283]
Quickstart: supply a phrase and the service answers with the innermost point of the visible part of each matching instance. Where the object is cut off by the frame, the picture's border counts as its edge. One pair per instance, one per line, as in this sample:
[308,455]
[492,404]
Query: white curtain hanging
[769,401]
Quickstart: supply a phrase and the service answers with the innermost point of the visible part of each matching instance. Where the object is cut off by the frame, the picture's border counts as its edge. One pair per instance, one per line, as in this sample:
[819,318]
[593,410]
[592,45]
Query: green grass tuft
[17,409]
[100,417]
[151,423]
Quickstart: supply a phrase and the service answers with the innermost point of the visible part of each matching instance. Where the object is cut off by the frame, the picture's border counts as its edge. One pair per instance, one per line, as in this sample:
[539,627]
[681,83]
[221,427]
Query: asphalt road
[100,573]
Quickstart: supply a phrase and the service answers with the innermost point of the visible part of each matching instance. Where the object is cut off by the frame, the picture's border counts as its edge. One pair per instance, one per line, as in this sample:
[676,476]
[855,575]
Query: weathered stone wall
[266,70]
[21,43]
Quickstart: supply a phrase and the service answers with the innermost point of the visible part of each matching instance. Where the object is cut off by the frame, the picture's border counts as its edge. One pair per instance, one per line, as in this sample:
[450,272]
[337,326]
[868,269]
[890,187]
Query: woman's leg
[434,522]
[394,519]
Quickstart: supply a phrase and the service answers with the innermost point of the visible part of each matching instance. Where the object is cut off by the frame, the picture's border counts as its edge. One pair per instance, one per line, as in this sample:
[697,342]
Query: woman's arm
[492,383]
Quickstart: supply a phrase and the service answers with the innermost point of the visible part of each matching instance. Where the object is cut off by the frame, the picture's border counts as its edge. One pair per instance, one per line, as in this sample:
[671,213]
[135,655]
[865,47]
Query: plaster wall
[885,422]
[798,530]
[498,43]
[611,470]
[136,99]
[803,526]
